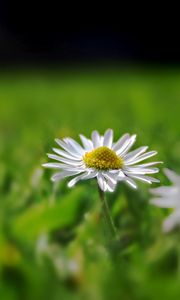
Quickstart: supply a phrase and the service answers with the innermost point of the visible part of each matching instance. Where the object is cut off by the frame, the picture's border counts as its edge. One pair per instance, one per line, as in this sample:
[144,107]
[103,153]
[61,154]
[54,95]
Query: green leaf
[43,217]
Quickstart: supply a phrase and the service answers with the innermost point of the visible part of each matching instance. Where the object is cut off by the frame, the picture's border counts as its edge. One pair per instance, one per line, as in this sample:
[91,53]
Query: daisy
[100,157]
[169,197]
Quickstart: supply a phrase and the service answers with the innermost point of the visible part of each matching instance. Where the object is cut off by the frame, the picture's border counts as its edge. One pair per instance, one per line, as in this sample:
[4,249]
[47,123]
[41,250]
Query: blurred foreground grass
[53,243]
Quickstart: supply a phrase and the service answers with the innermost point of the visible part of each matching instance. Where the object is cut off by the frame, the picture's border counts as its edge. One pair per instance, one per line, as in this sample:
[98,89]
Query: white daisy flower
[169,197]
[101,158]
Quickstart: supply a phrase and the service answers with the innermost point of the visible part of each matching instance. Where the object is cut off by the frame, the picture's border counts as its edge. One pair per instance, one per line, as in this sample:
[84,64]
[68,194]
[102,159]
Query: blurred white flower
[36,177]
[101,158]
[169,197]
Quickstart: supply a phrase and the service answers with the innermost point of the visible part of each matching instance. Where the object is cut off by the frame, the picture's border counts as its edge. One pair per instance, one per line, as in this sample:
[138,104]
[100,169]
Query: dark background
[48,34]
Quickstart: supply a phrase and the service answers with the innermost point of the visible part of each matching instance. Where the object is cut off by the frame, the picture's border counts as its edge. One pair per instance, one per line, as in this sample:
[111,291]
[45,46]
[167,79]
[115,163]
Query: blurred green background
[53,242]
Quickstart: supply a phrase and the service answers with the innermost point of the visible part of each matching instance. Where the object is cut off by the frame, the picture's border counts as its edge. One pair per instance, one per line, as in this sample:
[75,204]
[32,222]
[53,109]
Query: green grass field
[53,241]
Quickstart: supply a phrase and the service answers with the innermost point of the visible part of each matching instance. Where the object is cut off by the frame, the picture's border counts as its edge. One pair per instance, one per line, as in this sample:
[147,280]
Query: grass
[53,242]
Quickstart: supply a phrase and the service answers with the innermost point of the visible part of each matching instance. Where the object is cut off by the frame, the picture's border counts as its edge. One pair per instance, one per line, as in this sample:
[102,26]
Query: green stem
[178,250]
[106,212]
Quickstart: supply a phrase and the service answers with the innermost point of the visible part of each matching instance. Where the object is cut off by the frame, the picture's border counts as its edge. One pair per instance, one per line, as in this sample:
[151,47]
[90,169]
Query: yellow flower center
[102,158]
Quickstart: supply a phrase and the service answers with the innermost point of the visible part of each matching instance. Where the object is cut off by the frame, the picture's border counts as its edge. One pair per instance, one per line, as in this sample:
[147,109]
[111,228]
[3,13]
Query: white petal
[171,222]
[143,171]
[63,174]
[72,182]
[101,182]
[65,160]
[141,157]
[115,172]
[68,148]
[110,177]
[151,170]
[147,179]
[77,148]
[131,182]
[88,145]
[164,202]
[133,154]
[63,166]
[173,177]
[110,186]
[127,146]
[102,140]
[96,139]
[65,154]
[84,176]
[121,175]
[90,175]
[121,142]
[108,138]
[150,164]
[120,150]
[53,165]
